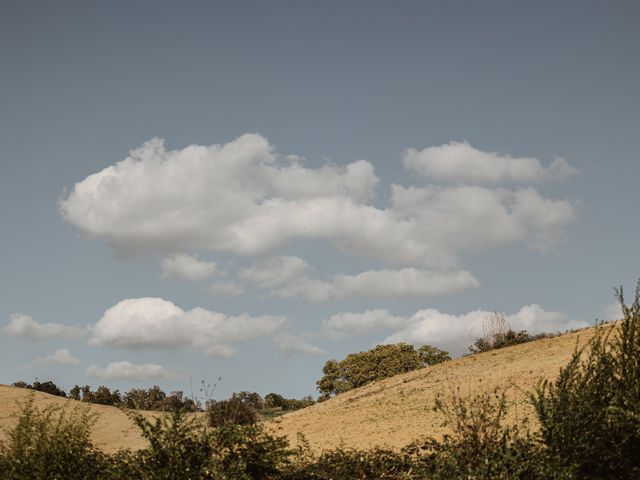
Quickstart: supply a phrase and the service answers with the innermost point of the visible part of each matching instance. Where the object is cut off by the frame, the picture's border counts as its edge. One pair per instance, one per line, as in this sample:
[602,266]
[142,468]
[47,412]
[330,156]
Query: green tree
[430,355]
[380,362]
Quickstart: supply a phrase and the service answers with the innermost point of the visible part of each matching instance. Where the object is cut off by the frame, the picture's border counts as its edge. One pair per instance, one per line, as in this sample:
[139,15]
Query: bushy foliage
[46,387]
[236,410]
[102,396]
[155,398]
[51,444]
[481,445]
[590,416]
[382,361]
[277,401]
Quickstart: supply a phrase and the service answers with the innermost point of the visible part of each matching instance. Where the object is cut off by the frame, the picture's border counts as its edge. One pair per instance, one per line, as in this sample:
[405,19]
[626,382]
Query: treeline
[588,428]
[248,404]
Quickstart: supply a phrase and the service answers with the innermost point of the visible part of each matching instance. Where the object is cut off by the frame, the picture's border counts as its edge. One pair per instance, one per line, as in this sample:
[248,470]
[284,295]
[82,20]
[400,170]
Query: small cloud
[290,343]
[62,356]
[187,267]
[460,162]
[25,327]
[130,371]
[228,289]
[346,324]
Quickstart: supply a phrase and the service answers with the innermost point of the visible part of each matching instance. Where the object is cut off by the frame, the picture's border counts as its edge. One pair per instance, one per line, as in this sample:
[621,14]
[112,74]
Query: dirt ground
[392,412]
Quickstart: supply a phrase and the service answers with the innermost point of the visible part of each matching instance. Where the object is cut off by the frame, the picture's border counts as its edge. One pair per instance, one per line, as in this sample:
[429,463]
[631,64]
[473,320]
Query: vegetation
[590,416]
[46,387]
[589,422]
[497,333]
[382,361]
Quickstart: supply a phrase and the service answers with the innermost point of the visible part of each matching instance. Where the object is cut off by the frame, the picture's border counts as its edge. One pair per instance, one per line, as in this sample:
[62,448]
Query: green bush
[51,444]
[481,445]
[590,416]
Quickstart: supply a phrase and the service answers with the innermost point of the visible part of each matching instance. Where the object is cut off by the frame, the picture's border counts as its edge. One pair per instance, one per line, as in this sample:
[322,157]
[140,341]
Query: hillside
[397,410]
[391,412]
[113,429]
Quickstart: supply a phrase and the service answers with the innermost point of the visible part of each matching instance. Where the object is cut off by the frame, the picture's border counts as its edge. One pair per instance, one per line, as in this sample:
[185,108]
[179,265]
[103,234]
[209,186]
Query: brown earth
[391,412]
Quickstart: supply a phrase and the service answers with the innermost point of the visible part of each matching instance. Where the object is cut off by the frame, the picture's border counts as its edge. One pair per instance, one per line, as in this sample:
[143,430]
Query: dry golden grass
[395,411]
[113,429]
[392,412]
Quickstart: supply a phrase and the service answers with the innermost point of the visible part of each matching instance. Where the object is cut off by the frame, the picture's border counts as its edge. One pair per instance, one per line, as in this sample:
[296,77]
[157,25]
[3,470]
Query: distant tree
[432,355]
[45,387]
[380,362]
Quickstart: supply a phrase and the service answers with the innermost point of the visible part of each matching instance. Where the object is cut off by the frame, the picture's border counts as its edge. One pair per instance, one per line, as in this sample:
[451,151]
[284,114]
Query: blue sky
[194,190]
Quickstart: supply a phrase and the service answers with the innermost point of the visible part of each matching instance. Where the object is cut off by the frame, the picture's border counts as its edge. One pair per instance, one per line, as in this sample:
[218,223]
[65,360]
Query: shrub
[180,448]
[481,445]
[234,411]
[51,444]
[590,416]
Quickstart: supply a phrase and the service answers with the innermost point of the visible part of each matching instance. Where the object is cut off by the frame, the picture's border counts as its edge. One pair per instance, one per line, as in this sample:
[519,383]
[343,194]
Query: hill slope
[113,429]
[397,410]
[392,412]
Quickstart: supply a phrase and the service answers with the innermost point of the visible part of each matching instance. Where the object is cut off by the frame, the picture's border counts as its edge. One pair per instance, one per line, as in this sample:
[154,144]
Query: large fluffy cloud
[154,322]
[460,162]
[131,371]
[24,326]
[242,198]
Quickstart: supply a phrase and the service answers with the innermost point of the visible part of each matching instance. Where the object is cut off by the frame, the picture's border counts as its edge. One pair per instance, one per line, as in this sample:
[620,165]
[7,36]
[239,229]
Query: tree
[432,355]
[380,362]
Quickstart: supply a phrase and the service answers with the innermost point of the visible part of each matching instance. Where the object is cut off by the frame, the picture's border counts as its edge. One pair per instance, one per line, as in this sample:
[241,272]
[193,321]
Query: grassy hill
[390,412]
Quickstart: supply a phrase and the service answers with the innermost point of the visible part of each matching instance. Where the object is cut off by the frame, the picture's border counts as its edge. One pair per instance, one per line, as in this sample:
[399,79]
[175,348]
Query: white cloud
[455,332]
[290,343]
[187,267]
[157,323]
[228,288]
[130,371]
[24,326]
[460,162]
[239,198]
[406,282]
[347,324]
[62,356]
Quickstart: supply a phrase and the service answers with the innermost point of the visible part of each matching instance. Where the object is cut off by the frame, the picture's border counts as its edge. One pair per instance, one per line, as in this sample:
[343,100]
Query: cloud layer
[431,326]
[25,327]
[130,371]
[242,198]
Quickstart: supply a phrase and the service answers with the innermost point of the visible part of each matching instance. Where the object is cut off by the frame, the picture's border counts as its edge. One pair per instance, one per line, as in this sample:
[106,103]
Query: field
[391,412]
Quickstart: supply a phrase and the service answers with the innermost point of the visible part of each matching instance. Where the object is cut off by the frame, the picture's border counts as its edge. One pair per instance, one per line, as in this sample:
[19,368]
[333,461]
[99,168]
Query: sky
[236,192]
